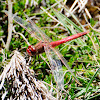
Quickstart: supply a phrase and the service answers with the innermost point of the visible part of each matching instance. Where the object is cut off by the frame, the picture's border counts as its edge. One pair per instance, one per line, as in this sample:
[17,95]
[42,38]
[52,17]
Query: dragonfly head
[31,50]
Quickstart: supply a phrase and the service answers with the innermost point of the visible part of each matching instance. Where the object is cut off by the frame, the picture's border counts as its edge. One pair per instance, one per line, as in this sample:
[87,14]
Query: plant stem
[10,25]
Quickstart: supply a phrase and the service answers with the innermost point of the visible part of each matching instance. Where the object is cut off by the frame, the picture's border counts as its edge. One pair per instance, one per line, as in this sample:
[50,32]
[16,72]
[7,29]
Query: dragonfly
[46,44]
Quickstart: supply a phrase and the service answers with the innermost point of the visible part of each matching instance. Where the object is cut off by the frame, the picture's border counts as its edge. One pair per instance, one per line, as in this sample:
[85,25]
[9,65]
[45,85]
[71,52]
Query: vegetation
[57,19]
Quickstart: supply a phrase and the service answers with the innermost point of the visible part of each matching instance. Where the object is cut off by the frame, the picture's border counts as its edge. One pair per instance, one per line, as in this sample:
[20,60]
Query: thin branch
[9,24]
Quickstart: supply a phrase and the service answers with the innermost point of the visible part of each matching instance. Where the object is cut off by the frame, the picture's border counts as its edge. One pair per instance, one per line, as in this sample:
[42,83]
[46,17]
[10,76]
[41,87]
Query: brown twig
[10,25]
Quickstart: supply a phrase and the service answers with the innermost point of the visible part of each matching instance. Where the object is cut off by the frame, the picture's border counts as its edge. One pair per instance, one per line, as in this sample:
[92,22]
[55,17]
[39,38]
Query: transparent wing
[26,25]
[31,27]
[56,66]
[55,59]
[64,61]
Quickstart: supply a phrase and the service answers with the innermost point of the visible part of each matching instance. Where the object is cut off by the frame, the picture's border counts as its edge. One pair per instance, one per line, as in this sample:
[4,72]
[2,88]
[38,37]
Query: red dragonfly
[46,44]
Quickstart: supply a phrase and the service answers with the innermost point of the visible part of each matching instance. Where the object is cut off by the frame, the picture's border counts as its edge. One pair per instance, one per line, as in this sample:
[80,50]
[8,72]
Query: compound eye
[31,50]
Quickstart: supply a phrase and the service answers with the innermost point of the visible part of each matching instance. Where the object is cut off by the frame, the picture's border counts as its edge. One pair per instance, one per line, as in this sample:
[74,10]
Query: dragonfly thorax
[37,49]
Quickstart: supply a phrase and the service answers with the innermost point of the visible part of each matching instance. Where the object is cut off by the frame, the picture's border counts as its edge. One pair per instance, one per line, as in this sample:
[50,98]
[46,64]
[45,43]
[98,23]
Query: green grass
[82,54]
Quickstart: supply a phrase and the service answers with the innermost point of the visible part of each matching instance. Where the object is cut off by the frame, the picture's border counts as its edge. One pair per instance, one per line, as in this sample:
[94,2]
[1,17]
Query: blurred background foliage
[82,54]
